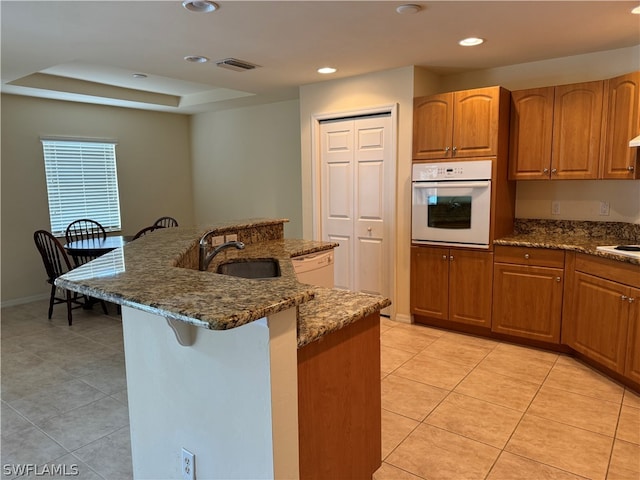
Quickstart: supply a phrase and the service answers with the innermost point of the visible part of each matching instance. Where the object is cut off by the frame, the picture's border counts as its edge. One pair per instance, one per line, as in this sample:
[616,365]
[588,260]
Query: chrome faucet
[205,258]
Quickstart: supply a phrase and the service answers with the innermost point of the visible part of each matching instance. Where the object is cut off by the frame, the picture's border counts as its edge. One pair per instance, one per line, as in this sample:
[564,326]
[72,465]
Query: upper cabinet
[457,124]
[622,101]
[555,132]
[576,131]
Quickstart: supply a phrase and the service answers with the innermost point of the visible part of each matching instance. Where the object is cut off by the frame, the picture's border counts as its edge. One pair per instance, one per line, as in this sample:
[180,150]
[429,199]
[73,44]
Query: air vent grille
[235,64]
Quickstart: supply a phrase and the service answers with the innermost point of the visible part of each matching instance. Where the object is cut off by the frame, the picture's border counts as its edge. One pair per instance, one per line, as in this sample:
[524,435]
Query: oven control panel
[466,170]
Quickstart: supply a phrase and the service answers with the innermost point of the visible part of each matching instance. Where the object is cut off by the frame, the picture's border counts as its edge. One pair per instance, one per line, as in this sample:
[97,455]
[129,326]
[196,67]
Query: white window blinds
[82,182]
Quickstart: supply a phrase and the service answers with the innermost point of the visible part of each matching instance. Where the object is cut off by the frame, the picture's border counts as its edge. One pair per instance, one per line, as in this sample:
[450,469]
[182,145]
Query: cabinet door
[577,127]
[432,126]
[531,129]
[622,123]
[527,301]
[470,287]
[597,326]
[475,122]
[632,364]
[429,282]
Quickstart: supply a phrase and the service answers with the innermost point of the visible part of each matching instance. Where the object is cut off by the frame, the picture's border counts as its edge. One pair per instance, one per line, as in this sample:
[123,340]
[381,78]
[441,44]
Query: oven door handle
[481,184]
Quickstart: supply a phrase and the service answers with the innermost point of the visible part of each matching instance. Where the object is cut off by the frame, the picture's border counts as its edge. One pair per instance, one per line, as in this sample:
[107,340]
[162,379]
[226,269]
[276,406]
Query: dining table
[96,247]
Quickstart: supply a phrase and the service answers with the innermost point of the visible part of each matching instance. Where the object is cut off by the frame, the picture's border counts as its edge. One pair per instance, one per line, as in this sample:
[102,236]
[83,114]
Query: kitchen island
[259,378]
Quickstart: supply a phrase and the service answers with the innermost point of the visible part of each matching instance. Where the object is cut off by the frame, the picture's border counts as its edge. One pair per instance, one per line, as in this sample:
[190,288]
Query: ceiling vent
[235,64]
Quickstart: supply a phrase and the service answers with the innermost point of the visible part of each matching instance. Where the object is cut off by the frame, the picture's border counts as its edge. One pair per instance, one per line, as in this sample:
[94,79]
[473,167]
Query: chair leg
[69,306]
[53,295]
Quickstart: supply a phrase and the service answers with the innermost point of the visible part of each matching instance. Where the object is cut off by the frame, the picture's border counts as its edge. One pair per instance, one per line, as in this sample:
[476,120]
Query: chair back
[165,222]
[144,231]
[84,229]
[53,255]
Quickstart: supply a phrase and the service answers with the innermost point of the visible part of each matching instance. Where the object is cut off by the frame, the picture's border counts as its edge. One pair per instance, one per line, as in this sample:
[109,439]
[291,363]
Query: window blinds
[82,182]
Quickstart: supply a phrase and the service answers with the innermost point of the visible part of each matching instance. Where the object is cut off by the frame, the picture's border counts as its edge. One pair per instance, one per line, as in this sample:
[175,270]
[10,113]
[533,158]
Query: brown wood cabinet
[457,124]
[555,132]
[449,284]
[339,403]
[600,307]
[527,293]
[622,102]
[632,362]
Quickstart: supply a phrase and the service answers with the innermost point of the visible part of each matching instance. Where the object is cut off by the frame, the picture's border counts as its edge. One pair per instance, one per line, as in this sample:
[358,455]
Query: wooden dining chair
[84,229]
[165,222]
[144,231]
[56,262]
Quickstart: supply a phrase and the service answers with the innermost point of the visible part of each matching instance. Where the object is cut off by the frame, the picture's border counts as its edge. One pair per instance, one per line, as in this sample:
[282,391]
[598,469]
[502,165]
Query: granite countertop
[157,273]
[576,236]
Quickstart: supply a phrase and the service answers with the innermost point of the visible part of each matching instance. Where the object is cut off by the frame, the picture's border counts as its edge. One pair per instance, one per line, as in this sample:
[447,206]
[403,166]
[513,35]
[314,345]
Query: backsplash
[625,231]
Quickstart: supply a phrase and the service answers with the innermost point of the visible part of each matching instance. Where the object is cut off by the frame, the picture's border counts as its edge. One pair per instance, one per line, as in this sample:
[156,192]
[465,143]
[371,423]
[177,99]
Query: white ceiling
[88,50]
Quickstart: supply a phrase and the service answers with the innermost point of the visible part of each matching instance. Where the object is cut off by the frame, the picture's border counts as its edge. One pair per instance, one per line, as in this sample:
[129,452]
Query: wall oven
[451,203]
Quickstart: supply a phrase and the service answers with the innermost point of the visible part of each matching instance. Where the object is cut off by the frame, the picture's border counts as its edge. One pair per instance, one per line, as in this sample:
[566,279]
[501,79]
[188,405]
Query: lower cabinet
[527,293]
[452,285]
[339,403]
[601,320]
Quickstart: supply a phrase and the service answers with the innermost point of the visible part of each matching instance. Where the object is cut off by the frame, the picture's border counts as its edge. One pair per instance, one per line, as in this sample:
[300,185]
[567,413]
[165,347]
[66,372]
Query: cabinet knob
[624,297]
[630,168]
[558,279]
[554,170]
[455,149]
[631,299]
[526,256]
[451,258]
[545,170]
[446,149]
[369,229]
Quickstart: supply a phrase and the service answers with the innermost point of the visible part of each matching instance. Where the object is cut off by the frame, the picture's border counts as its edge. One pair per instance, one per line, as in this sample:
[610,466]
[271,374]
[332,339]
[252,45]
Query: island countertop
[157,273]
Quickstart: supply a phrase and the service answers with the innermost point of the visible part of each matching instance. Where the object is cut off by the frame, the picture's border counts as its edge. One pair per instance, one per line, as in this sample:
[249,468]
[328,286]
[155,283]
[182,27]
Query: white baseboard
[403,318]
[23,300]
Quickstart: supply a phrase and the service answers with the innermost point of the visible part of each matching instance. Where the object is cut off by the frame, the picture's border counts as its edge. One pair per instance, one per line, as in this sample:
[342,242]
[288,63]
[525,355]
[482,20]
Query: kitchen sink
[626,250]
[250,268]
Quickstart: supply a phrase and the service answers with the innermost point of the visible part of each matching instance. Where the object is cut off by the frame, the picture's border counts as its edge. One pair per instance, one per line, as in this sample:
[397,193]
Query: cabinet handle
[526,256]
[446,149]
[454,150]
[444,257]
[545,170]
[631,299]
[558,279]
[451,258]
[630,168]
[554,170]
[624,297]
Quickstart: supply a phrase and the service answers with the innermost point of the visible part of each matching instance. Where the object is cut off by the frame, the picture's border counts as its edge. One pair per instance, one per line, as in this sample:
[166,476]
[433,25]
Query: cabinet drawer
[540,257]
[621,272]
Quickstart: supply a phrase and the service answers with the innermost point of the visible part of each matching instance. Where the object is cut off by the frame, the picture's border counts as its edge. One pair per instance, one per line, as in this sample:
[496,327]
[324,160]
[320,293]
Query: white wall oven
[451,203]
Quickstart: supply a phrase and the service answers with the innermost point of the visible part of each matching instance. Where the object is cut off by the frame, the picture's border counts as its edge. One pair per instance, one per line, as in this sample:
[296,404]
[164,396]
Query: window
[82,182]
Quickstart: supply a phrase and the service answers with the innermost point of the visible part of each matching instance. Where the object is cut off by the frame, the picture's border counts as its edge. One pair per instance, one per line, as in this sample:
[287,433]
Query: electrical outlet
[555,208]
[217,240]
[233,237]
[604,208]
[188,465]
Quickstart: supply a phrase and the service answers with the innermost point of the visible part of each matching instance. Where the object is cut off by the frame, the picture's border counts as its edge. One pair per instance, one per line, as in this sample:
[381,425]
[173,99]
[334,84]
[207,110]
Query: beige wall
[154,175]
[368,91]
[246,163]
[579,200]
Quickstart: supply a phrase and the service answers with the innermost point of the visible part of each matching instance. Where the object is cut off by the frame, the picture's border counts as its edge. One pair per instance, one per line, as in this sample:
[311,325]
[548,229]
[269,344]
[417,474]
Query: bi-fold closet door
[356,161]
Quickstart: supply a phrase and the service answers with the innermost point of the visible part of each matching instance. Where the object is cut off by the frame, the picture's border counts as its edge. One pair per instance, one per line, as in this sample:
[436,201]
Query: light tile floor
[454,406]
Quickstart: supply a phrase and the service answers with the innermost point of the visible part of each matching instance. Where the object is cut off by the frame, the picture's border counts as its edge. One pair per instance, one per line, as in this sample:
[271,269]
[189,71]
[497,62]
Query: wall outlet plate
[188,465]
[555,208]
[217,240]
[604,208]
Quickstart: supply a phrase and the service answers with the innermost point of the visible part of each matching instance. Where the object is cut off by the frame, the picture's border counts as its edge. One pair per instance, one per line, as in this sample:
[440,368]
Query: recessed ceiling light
[139,75]
[196,59]
[327,70]
[200,6]
[471,42]
[636,10]
[409,8]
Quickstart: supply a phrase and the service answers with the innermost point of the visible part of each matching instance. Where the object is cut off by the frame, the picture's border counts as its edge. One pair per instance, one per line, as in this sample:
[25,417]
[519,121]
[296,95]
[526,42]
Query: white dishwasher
[315,268]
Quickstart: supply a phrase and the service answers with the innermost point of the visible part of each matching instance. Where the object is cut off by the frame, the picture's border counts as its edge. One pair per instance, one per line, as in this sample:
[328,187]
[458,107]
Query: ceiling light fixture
[327,70]
[200,6]
[471,42]
[636,10]
[409,8]
[196,59]
[139,75]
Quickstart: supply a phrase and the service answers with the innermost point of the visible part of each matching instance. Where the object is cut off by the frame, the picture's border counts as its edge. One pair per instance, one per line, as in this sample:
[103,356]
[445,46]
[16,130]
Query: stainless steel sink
[250,268]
